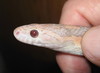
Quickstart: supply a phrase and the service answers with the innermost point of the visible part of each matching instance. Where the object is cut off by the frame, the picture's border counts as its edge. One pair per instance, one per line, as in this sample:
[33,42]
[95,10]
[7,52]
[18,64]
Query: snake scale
[58,37]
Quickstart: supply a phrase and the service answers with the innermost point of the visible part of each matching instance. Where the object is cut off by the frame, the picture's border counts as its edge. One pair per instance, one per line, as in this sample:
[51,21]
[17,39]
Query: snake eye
[34,33]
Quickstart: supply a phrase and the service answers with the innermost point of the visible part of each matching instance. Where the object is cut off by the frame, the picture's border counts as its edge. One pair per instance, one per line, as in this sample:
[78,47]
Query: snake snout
[16,32]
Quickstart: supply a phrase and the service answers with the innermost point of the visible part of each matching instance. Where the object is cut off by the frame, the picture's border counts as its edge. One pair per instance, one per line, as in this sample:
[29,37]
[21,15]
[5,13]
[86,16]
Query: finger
[72,64]
[71,14]
[91,45]
[77,12]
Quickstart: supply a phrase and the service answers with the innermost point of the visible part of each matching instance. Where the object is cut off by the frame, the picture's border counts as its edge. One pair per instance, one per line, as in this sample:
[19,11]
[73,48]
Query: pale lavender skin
[63,38]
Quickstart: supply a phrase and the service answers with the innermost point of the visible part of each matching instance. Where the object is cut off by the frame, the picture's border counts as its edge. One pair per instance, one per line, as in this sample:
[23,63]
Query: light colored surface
[63,38]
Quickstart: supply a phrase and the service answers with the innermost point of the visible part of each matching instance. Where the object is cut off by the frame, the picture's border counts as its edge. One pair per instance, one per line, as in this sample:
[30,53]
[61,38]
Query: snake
[58,37]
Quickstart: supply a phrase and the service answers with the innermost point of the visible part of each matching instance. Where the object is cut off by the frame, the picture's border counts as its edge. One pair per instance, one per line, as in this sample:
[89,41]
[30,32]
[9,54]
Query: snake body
[58,37]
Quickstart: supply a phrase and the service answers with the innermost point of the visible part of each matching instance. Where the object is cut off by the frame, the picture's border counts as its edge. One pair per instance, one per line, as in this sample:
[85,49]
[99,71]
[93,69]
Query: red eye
[34,33]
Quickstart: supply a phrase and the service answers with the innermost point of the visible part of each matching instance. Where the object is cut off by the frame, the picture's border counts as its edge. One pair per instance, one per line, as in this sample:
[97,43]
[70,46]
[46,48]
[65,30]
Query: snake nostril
[17,33]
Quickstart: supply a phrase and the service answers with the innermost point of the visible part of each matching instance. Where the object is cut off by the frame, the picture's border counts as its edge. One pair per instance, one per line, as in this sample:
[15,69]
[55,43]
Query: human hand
[85,13]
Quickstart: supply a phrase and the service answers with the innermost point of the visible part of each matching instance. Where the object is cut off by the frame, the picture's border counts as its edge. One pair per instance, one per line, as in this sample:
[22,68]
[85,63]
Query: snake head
[36,34]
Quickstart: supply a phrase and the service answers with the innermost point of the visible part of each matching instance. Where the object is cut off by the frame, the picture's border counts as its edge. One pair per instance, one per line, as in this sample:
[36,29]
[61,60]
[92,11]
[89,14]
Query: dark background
[16,57]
